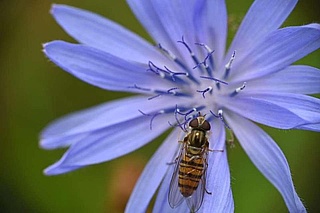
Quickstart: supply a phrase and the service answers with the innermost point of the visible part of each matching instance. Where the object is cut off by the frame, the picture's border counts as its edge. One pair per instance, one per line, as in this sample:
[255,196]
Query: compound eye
[194,123]
[206,126]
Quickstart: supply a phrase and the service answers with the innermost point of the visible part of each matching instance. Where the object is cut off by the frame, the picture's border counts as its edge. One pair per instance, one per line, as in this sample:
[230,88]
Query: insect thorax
[196,141]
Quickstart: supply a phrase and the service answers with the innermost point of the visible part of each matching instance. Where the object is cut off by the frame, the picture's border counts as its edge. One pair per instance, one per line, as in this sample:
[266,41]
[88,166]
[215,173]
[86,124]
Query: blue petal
[61,141]
[76,126]
[260,110]
[306,107]
[295,79]
[168,21]
[109,143]
[98,32]
[212,27]
[218,174]
[310,127]
[268,158]
[162,205]
[152,175]
[102,69]
[164,20]
[263,17]
[280,49]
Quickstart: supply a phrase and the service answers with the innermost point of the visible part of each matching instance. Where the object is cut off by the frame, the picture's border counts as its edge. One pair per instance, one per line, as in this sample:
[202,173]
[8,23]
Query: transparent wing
[175,198]
[194,202]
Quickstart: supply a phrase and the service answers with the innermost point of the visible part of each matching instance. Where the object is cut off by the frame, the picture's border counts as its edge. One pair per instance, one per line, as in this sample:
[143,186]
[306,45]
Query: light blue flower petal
[306,107]
[212,27]
[280,49]
[102,69]
[267,157]
[265,112]
[162,204]
[310,127]
[72,128]
[101,33]
[109,143]
[165,29]
[218,174]
[295,79]
[168,21]
[61,141]
[153,174]
[263,17]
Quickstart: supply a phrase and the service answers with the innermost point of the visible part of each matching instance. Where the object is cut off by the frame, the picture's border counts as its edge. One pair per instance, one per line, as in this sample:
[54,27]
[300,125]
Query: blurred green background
[33,92]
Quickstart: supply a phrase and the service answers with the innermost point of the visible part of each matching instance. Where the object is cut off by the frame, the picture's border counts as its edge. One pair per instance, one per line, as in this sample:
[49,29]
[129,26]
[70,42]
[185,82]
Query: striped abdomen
[190,173]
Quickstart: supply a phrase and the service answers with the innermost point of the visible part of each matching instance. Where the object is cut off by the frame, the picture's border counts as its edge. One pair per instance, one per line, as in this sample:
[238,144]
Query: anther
[158,93]
[139,88]
[208,57]
[187,116]
[171,91]
[208,89]
[204,62]
[168,92]
[174,74]
[194,58]
[220,116]
[180,64]
[178,123]
[152,116]
[229,64]
[167,53]
[242,87]
[239,89]
[214,79]
[166,73]
[186,45]
[205,46]
[155,69]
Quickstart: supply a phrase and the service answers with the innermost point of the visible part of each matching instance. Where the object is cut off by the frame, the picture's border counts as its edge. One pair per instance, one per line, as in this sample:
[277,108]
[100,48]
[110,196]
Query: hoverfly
[189,178]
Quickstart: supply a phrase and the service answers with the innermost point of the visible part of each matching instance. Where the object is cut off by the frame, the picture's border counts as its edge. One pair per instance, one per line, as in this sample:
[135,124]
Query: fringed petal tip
[56,169]
[55,6]
[44,46]
[91,29]
[103,69]
[314,26]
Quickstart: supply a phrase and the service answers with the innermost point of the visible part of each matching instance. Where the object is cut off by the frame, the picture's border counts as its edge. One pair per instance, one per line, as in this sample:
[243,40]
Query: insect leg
[209,193]
[204,177]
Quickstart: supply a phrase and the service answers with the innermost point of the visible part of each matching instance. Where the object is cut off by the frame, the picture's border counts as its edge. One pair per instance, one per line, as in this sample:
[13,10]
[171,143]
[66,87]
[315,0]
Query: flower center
[198,83]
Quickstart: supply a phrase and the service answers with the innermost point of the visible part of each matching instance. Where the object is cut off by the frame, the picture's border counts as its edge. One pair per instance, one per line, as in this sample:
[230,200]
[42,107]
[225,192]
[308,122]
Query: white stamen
[241,88]
[162,75]
[229,64]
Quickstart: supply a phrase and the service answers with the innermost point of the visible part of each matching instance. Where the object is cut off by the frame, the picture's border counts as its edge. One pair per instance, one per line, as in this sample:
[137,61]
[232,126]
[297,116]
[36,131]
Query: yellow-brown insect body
[192,164]
[188,181]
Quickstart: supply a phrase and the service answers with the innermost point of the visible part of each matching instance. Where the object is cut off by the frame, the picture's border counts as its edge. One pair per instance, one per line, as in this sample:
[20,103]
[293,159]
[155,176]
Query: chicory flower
[187,71]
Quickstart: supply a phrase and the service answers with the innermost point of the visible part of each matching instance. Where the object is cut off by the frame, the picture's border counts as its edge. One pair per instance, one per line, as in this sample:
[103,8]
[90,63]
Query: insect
[189,177]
